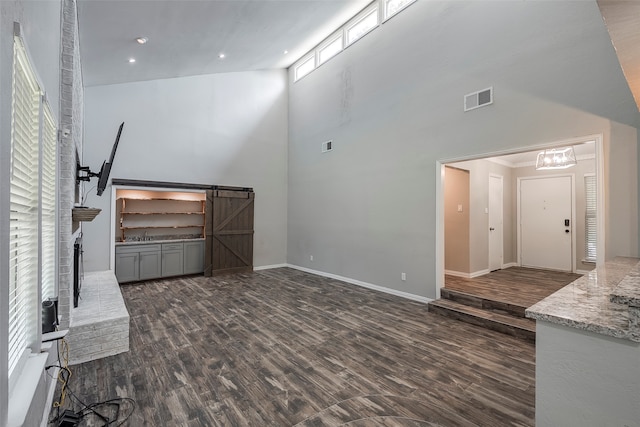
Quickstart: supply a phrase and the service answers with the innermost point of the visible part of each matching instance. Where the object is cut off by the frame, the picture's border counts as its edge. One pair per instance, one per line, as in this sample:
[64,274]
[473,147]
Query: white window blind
[48,202]
[23,234]
[590,217]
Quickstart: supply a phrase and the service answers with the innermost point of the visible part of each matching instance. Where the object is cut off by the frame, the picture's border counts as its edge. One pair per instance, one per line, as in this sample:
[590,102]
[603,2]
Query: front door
[546,226]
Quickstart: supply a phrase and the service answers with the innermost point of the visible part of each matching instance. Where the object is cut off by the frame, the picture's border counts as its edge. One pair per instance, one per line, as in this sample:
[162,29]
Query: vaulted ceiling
[186,37]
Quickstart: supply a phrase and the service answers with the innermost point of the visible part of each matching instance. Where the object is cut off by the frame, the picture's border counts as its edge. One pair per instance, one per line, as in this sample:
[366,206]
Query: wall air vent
[478,99]
[326,146]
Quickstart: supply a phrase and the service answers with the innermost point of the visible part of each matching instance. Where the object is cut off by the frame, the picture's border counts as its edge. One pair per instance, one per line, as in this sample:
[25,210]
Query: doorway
[588,147]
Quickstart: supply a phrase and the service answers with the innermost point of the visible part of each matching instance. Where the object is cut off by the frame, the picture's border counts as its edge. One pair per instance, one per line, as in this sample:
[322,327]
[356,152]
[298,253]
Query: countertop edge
[602,301]
[156,242]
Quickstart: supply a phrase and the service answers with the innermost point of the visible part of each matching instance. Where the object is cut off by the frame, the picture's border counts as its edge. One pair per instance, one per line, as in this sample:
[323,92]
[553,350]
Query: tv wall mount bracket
[83,173]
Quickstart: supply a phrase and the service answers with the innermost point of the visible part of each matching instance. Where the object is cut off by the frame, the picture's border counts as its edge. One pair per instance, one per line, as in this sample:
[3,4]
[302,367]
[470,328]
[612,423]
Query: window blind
[590,218]
[48,203]
[23,231]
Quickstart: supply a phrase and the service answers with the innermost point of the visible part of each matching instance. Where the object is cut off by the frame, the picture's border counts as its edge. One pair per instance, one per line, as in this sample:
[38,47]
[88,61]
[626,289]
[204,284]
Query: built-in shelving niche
[147,215]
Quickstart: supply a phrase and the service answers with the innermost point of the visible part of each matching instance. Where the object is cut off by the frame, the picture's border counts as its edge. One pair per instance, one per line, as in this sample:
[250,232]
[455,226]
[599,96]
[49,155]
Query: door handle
[491,228]
[567,231]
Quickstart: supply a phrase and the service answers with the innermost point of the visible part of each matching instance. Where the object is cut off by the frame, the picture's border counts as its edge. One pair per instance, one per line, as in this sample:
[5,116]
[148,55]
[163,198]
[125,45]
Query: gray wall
[40,25]
[225,129]
[392,104]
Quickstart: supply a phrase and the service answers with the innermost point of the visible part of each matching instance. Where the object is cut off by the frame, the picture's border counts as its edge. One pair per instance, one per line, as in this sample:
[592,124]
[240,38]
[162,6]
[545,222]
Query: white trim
[583,271]
[310,56]
[439,255]
[22,395]
[509,265]
[600,196]
[373,8]
[338,35]
[467,275]
[383,12]
[269,267]
[371,286]
[457,274]
[50,396]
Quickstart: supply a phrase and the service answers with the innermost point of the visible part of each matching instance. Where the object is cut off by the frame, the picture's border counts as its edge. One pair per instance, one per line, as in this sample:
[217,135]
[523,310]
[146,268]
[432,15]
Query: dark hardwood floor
[516,285]
[286,348]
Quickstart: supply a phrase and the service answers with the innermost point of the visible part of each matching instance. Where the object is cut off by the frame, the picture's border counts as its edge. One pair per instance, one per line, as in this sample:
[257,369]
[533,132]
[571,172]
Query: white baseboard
[466,275]
[479,273]
[457,274]
[371,286]
[269,267]
[509,264]
[583,271]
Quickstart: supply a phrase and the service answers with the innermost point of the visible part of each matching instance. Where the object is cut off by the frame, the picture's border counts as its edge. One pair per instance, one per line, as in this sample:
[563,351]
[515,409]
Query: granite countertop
[152,242]
[597,302]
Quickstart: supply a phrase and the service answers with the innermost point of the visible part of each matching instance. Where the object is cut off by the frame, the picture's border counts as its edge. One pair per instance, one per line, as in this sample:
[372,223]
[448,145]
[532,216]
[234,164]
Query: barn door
[229,230]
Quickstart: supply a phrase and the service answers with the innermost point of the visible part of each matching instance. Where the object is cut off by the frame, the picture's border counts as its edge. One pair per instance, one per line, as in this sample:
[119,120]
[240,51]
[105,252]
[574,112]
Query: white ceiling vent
[326,146]
[478,99]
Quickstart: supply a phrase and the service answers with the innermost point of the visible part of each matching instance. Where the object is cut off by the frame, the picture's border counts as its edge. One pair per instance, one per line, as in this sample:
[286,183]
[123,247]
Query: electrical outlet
[403,276]
[310,257]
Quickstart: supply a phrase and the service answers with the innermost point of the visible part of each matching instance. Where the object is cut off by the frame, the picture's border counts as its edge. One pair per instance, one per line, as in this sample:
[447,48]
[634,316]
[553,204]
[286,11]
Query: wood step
[483,302]
[510,325]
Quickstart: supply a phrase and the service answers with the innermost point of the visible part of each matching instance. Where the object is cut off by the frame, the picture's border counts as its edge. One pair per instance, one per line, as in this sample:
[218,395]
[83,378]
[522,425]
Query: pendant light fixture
[556,158]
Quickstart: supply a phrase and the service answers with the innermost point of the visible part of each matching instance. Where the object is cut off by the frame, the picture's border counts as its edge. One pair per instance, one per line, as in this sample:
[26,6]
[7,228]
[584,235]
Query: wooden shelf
[84,214]
[159,213]
[160,226]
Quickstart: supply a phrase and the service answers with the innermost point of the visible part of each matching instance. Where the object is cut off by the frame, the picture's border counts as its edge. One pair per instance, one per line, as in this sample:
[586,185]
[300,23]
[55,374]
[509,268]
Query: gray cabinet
[193,257]
[172,259]
[137,262]
[127,266]
[153,260]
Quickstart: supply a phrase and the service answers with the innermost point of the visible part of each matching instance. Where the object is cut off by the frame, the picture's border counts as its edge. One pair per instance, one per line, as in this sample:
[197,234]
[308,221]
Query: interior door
[546,227]
[495,223]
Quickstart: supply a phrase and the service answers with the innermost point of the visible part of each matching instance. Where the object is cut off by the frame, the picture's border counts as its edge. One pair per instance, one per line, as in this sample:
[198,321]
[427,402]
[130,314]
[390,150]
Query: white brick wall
[71,100]
[100,325]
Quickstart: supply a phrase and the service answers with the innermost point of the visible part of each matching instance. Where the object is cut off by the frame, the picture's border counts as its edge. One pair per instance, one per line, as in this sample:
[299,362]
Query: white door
[546,222]
[495,223]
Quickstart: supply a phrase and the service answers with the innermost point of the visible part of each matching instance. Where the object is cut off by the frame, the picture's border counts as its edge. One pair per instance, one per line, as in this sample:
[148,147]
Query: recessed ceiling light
[221,56]
[132,60]
[142,40]
[285,52]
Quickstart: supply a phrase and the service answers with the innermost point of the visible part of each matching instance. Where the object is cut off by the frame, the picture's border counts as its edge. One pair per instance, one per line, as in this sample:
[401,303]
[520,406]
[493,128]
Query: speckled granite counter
[604,301]
[143,242]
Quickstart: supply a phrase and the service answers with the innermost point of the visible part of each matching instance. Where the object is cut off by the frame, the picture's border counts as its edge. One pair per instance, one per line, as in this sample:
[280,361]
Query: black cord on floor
[86,410]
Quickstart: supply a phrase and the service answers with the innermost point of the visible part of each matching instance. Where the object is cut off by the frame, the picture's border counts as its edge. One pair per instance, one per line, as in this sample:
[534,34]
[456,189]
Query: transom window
[360,25]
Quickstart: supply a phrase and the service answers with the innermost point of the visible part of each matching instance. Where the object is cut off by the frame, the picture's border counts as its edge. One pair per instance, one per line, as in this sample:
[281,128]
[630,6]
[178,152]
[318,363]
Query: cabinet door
[171,263]
[149,265]
[194,257]
[127,267]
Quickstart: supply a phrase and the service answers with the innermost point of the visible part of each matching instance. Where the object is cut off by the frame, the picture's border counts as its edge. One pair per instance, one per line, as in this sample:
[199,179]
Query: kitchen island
[588,349]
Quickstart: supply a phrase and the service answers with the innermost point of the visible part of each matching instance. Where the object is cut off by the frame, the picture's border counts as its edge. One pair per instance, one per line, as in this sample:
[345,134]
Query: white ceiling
[186,36]
[622,18]
[528,158]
